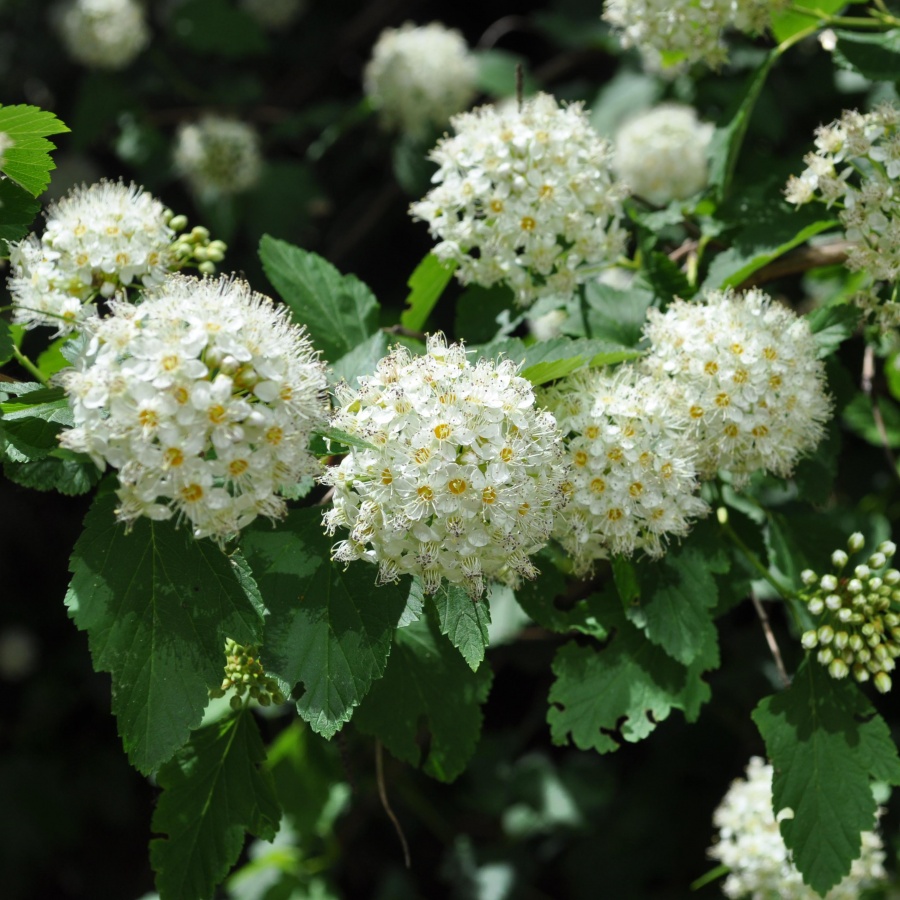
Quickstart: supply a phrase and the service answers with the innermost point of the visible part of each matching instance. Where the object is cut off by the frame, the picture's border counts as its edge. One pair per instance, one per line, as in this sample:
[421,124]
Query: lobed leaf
[157,606]
[27,162]
[427,683]
[214,792]
[826,744]
[329,628]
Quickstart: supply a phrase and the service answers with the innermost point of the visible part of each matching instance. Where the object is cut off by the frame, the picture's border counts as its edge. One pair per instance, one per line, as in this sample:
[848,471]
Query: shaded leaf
[17,211]
[874,56]
[427,283]
[464,620]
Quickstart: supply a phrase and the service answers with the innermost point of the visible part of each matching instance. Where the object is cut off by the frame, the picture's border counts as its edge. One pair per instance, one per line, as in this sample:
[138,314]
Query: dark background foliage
[527,820]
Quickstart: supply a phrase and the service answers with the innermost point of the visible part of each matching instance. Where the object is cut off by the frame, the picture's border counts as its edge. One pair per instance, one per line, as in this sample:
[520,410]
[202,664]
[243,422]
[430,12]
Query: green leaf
[427,682]
[157,606]
[665,277]
[832,325]
[17,212]
[339,311]
[7,347]
[624,96]
[874,56]
[620,691]
[617,316]
[33,421]
[790,20]
[671,599]
[464,620]
[335,435]
[770,228]
[427,283]
[497,73]
[214,791]
[827,744]
[217,28]
[329,627]
[361,360]
[725,146]
[860,419]
[27,161]
[61,471]
[479,311]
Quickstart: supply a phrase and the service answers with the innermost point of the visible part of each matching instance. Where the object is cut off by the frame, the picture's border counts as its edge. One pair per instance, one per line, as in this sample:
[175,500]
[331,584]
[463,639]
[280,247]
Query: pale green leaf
[464,620]
[27,161]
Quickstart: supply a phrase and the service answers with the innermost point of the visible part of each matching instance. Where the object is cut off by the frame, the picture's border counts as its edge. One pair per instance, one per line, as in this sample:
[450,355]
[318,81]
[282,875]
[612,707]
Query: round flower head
[632,480]
[661,155]
[751,846]
[526,197]
[98,239]
[749,376]
[274,15]
[858,627]
[463,477]
[104,34]
[203,397]
[673,32]
[418,77]
[855,168]
[218,156]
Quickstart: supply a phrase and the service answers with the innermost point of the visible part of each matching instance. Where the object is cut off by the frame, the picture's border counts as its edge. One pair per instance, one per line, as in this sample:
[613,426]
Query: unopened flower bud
[856,542]
[808,577]
[839,559]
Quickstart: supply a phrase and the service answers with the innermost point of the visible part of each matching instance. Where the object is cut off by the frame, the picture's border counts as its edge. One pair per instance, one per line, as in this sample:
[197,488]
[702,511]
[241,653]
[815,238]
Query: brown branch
[770,640]
[866,383]
[688,247]
[382,793]
[801,259]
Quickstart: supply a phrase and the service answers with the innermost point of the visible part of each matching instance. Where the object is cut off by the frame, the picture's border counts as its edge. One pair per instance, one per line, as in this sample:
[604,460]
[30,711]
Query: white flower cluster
[418,77]
[855,168]
[274,15]
[104,34]
[749,376]
[98,240]
[526,197]
[661,154]
[218,156]
[203,397]
[750,844]
[674,32]
[858,628]
[632,481]
[463,477]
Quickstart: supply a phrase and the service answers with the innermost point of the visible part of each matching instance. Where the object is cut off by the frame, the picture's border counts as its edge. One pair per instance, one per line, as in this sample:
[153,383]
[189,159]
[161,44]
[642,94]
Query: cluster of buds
[245,675]
[194,248]
[859,627]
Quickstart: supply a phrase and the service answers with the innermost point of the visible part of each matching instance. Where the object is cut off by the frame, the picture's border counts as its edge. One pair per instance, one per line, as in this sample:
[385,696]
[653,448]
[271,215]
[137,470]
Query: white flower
[418,77]
[751,846]
[104,34]
[218,156]
[854,169]
[204,398]
[464,474]
[97,240]
[673,32]
[749,376]
[661,154]
[525,197]
[274,15]
[632,481]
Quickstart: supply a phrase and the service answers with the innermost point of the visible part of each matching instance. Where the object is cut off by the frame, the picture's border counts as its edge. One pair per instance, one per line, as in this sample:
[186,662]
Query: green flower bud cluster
[194,247]
[858,630]
[244,675]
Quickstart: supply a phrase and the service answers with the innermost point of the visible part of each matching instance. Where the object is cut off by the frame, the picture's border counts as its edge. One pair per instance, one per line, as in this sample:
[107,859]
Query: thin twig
[802,259]
[688,247]
[866,383]
[382,792]
[770,639]
[403,331]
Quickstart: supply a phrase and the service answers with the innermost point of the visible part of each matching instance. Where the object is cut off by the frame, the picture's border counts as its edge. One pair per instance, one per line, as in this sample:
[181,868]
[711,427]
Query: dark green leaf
[827,744]
[283,202]
[33,421]
[361,360]
[860,419]
[339,311]
[665,277]
[671,599]
[217,28]
[7,346]
[497,73]
[59,471]
[478,310]
[620,691]
[17,211]
[157,606]
[832,325]
[214,792]
[427,682]
[874,56]
[464,620]
[329,627]
[427,283]
[27,161]
[615,315]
